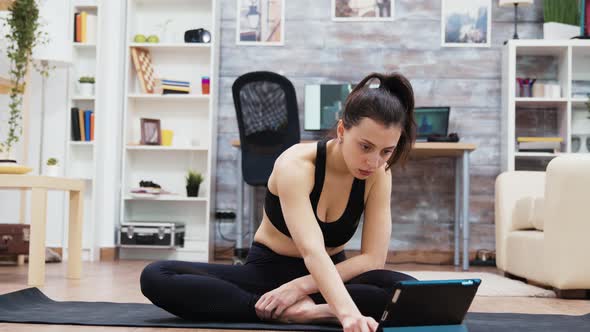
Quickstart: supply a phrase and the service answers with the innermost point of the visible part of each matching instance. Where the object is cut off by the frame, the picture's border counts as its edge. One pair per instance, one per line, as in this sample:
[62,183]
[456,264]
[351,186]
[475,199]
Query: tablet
[429,302]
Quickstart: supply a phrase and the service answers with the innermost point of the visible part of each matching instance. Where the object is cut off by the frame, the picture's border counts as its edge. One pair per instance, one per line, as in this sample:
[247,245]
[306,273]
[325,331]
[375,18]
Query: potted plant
[193,181]
[561,19]
[23,34]
[86,86]
[53,167]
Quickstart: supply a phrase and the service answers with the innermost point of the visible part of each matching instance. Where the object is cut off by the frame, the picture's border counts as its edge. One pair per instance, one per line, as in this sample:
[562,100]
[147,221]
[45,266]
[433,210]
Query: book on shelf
[539,139]
[539,145]
[176,88]
[85,27]
[81,122]
[173,86]
[82,126]
[77,21]
[539,150]
[92,126]
[91,24]
[175,83]
[172,92]
[87,125]
[75,124]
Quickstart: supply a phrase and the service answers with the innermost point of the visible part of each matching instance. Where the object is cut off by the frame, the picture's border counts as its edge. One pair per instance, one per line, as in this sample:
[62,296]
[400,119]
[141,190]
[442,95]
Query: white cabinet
[191,117]
[565,65]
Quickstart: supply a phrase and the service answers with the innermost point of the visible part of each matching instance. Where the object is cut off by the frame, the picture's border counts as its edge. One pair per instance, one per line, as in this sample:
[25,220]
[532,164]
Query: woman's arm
[294,183]
[375,238]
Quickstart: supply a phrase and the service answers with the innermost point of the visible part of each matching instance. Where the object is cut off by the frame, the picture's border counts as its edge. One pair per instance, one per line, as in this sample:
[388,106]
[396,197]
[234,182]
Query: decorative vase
[576,141]
[86,89]
[52,170]
[192,191]
[6,157]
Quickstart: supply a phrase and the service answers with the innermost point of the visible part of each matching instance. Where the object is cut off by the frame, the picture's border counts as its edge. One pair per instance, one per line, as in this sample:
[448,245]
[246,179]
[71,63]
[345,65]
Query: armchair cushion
[538,212]
[522,214]
[525,258]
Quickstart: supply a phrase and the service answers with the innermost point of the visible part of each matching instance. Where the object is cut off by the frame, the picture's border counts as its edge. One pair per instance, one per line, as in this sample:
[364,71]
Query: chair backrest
[268,121]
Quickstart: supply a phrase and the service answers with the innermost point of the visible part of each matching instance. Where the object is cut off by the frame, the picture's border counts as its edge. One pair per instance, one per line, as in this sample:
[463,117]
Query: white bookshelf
[563,62]
[192,118]
[81,155]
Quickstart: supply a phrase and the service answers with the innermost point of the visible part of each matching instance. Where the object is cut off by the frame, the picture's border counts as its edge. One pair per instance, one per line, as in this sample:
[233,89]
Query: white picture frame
[389,10]
[469,10]
[256,22]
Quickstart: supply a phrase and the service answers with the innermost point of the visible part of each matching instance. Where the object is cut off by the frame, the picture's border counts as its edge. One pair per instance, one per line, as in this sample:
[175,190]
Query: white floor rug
[491,284]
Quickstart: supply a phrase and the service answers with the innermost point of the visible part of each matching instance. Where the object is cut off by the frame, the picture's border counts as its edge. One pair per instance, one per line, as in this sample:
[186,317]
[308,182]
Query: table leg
[37,240]
[20,259]
[75,234]
[240,203]
[457,209]
[465,204]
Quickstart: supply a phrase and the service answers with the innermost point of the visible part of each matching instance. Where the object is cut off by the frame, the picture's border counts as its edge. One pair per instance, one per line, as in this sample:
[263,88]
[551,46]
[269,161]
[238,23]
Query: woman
[296,270]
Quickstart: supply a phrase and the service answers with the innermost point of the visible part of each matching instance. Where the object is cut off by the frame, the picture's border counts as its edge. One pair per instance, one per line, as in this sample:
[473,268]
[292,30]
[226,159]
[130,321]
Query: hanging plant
[23,35]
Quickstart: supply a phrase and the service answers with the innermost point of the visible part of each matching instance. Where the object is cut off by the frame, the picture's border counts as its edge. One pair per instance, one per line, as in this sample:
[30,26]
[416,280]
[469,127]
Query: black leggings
[219,292]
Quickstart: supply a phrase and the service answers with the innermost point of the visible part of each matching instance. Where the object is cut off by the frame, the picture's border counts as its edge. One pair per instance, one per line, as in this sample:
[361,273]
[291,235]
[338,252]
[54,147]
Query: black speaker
[197,36]
[453,137]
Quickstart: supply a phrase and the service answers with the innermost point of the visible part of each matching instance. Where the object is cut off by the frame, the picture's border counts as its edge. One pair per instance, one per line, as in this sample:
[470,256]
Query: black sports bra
[335,233]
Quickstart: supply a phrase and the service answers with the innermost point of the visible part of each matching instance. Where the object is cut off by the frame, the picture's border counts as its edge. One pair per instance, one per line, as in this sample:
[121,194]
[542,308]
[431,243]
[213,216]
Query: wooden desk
[39,186]
[421,150]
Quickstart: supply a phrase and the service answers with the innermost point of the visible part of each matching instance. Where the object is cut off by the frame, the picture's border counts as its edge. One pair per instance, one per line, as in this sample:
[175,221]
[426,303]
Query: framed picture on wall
[260,22]
[466,23]
[150,132]
[362,10]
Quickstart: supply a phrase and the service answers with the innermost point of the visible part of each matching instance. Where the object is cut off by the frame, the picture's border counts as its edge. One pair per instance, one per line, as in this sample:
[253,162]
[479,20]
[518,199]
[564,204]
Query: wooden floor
[119,282]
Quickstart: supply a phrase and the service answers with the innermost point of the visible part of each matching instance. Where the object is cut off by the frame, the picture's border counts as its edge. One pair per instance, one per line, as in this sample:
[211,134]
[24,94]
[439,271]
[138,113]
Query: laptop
[429,303]
[431,121]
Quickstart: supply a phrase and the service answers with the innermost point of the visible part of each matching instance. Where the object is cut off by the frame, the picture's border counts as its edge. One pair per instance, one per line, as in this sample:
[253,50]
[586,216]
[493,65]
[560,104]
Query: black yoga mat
[33,307]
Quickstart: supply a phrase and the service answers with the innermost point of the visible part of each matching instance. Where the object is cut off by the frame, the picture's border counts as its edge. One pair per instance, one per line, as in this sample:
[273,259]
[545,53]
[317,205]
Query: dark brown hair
[391,104]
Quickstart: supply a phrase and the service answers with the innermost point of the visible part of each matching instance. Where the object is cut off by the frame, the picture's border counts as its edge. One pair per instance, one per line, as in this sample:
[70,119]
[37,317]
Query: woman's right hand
[358,323]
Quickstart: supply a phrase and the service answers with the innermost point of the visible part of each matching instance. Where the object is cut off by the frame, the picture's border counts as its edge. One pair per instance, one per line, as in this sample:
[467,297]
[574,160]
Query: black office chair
[268,121]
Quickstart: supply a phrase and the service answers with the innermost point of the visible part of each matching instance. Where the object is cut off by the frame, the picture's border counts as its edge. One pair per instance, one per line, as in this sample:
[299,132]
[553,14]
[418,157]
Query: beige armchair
[543,225]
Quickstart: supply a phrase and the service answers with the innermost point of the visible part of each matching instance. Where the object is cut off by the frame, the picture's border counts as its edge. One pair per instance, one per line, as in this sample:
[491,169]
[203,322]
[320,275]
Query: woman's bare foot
[306,311]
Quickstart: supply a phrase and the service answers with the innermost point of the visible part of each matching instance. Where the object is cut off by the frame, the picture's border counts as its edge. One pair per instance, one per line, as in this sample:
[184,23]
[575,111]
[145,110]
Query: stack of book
[85,27]
[539,144]
[82,124]
[175,87]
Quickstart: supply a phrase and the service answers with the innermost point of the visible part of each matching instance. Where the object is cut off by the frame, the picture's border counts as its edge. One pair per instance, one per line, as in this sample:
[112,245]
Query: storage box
[151,235]
[14,239]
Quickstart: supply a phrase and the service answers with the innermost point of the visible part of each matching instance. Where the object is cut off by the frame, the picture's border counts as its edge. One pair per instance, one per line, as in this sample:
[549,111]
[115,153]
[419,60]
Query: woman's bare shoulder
[380,175]
[296,161]
[301,155]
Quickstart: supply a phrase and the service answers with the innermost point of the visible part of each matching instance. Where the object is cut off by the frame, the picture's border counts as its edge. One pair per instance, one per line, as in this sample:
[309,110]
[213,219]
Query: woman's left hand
[272,304]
